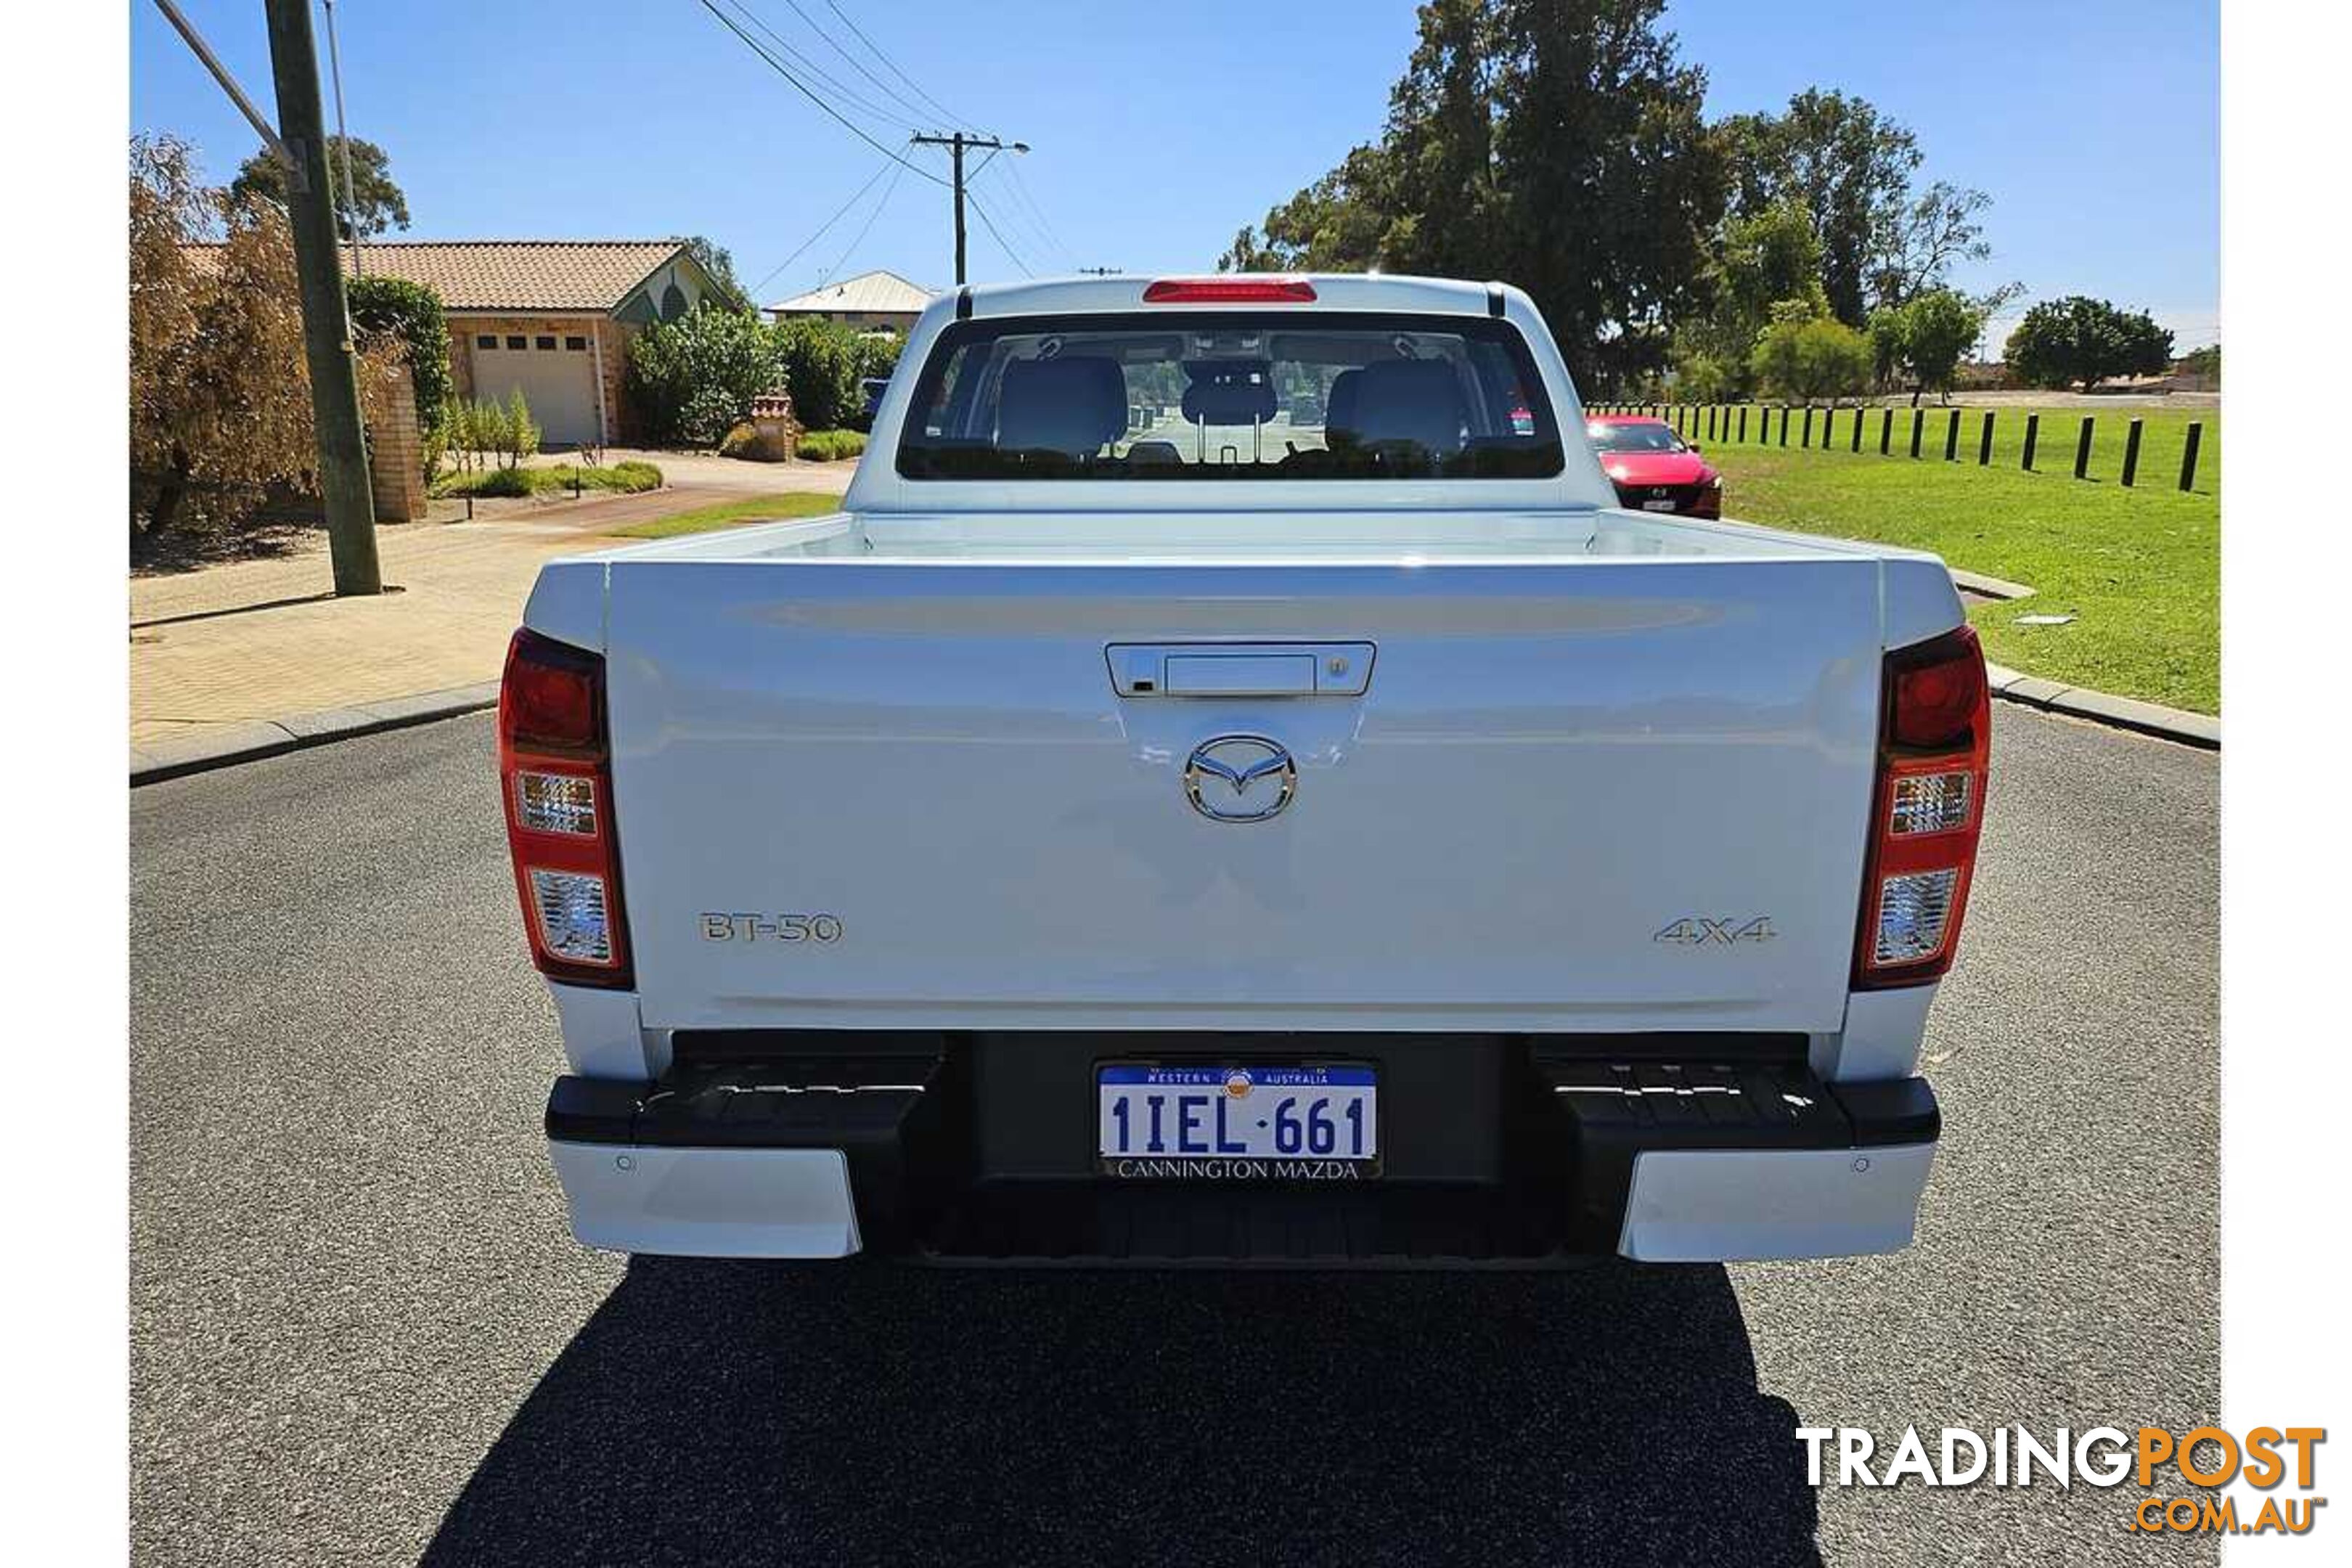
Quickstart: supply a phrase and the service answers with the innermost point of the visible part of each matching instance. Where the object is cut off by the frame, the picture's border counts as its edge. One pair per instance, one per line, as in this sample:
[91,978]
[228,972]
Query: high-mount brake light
[1935,740]
[555,774]
[1229,291]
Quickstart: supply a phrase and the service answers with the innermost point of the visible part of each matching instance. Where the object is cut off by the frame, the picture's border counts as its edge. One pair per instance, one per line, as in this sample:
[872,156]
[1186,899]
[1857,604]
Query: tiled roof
[521,274]
[884,292]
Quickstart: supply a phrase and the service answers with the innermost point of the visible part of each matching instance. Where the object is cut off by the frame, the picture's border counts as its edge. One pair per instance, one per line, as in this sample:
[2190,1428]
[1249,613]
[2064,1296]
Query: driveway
[361,1334]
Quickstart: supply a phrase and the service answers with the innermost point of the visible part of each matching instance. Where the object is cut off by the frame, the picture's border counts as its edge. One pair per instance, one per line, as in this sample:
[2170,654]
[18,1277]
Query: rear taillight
[1935,737]
[1229,291]
[555,772]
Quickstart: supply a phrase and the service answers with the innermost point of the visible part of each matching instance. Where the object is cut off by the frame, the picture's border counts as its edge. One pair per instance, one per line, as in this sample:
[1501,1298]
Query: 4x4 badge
[1697,930]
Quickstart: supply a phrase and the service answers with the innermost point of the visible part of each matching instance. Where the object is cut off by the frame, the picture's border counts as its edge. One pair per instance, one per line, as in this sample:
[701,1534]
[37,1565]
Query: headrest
[1417,400]
[1229,392]
[1069,405]
[1340,408]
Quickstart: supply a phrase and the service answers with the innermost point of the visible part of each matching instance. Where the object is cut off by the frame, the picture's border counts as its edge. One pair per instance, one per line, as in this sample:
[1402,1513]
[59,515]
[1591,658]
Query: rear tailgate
[1584,795]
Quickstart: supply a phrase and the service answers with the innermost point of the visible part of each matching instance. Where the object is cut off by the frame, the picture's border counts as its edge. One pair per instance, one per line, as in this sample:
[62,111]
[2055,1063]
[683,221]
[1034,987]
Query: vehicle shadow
[740,1412]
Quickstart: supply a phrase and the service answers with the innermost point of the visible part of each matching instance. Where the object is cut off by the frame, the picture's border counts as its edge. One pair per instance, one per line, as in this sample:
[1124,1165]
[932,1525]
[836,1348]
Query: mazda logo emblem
[1240,778]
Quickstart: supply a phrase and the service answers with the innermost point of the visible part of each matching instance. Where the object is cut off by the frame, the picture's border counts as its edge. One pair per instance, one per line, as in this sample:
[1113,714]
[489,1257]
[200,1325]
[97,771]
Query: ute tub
[1578,730]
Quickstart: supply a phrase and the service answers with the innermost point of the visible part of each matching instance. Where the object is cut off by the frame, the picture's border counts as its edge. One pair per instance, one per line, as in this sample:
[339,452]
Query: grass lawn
[735,514]
[2164,435]
[2139,569]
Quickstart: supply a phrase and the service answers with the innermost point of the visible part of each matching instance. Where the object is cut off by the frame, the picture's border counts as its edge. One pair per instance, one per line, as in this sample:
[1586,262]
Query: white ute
[1231,788]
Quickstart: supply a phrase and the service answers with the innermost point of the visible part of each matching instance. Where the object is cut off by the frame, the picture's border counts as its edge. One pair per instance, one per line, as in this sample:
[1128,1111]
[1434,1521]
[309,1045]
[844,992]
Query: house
[870,301]
[552,316]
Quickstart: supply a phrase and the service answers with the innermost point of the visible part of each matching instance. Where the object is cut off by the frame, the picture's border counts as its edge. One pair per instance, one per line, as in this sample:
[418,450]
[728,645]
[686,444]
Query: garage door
[557,373]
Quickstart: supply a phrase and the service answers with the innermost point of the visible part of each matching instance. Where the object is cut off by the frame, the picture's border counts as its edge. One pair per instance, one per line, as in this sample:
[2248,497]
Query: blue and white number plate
[1237,1123]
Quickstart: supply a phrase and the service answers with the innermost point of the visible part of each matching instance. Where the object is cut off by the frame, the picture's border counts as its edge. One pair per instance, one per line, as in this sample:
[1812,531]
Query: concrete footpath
[256,656]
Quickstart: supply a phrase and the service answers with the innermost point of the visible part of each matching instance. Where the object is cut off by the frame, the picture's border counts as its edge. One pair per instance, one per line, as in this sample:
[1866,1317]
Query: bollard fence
[2189,455]
[2032,435]
[1886,429]
[1784,424]
[2083,449]
[1952,438]
[2131,454]
[1857,427]
[1743,420]
[1984,443]
[1805,437]
[1918,425]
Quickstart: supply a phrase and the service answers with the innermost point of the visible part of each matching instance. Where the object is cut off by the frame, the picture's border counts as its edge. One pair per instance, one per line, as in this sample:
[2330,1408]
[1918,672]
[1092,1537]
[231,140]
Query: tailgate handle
[1240,669]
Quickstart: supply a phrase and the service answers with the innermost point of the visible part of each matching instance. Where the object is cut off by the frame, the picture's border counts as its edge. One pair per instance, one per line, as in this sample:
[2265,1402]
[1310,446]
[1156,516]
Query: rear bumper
[1545,1158]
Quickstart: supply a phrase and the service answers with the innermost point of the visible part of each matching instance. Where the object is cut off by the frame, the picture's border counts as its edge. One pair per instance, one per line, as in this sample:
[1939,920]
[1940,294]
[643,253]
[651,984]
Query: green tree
[1925,339]
[1849,167]
[1556,144]
[1770,256]
[718,261]
[1805,355]
[2078,339]
[374,205]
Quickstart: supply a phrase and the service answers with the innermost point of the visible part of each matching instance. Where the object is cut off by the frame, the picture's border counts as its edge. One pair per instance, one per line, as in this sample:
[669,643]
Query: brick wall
[396,453]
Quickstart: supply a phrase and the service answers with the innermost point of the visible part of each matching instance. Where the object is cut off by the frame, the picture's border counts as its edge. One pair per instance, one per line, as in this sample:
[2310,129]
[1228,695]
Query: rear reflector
[1229,291]
[1935,740]
[555,771]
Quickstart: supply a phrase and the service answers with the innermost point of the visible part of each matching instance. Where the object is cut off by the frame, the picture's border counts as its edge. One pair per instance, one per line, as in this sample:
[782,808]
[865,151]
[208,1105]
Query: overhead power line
[953,118]
[802,88]
[863,230]
[1019,217]
[990,224]
[823,229]
[857,65]
[816,73]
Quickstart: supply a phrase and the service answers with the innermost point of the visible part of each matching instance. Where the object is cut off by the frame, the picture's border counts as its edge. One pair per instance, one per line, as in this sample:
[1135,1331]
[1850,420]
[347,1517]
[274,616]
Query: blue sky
[1159,131]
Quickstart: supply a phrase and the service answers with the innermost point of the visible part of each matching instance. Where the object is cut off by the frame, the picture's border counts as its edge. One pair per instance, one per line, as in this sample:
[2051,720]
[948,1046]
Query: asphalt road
[359,1332]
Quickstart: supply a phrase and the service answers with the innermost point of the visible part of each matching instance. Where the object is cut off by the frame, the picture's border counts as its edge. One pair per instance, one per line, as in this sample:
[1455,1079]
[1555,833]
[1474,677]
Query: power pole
[326,321]
[956,144]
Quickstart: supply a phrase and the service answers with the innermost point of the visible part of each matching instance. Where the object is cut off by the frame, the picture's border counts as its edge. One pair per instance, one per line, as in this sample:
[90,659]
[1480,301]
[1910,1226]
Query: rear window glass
[1230,396]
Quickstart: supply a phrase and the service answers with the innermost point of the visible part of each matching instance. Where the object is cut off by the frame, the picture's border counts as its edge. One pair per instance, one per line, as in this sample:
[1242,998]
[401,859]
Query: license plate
[1231,1123]
[1657,506]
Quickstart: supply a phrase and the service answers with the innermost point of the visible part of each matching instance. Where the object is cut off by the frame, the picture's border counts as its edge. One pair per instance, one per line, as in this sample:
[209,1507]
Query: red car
[1653,468]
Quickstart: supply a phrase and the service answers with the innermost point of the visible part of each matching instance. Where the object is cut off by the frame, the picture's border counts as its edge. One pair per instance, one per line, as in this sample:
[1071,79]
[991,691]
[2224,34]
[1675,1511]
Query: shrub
[220,390]
[556,478]
[820,363]
[522,435]
[1805,356]
[830,446]
[410,313]
[691,379]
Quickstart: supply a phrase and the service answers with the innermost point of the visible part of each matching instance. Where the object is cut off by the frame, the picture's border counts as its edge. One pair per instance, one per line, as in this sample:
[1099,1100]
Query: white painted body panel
[1728,1205]
[709,1202]
[1552,762]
